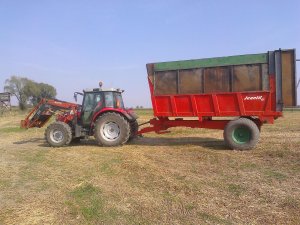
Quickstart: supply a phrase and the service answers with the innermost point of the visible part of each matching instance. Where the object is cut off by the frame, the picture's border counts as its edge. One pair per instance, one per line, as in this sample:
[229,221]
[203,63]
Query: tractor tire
[134,128]
[58,134]
[241,134]
[111,129]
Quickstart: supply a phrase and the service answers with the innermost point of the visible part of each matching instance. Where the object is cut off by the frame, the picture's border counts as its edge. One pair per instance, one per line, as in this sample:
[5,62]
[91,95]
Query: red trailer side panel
[249,85]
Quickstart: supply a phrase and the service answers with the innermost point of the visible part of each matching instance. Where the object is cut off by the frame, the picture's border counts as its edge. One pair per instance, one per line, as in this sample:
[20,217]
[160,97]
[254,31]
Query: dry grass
[185,177]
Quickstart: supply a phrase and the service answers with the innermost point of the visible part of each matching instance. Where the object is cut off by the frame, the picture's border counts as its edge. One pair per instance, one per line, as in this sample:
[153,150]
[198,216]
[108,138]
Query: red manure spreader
[237,94]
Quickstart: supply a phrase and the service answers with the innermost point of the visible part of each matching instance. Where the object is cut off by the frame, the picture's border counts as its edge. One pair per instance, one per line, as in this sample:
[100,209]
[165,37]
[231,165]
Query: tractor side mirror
[75,95]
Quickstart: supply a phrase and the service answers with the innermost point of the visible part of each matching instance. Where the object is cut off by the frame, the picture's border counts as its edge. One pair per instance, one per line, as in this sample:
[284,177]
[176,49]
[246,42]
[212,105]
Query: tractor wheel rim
[111,131]
[241,135]
[56,136]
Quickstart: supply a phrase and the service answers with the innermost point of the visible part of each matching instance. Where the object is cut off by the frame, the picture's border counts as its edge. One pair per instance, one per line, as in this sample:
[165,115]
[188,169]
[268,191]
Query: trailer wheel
[134,128]
[58,134]
[241,134]
[111,129]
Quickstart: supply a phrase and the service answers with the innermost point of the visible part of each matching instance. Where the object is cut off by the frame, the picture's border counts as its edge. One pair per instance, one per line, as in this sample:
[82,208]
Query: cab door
[92,102]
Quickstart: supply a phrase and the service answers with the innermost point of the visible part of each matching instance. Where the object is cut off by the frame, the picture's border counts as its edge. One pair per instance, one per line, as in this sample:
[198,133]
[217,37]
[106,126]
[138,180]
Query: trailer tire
[58,134]
[111,129]
[134,128]
[241,134]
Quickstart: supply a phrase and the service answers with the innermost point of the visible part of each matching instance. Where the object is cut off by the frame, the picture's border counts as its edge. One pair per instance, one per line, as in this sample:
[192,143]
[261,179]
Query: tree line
[28,92]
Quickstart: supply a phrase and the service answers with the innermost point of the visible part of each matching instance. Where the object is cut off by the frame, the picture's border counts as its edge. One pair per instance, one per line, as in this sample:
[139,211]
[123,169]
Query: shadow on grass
[210,143]
[42,142]
[31,140]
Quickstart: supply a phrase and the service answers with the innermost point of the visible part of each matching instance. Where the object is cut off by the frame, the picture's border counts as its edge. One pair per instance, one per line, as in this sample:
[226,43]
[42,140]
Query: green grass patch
[236,189]
[295,168]
[248,166]
[108,169]
[29,171]
[11,129]
[212,219]
[88,202]
[4,184]
[170,197]
[38,157]
[290,203]
[271,174]
[277,153]
[143,112]
[190,206]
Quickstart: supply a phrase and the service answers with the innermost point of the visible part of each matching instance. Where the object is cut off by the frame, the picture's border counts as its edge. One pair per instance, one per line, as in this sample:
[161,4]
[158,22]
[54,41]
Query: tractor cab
[97,100]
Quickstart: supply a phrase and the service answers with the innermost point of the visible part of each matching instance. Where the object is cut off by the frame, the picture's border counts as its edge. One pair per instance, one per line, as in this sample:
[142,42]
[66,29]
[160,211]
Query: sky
[74,44]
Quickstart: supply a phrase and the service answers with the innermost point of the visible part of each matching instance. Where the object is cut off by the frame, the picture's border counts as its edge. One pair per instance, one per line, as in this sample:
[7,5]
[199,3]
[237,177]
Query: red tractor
[102,115]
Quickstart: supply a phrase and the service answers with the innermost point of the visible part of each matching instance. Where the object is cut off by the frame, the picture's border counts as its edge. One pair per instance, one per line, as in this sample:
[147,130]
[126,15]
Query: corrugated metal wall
[216,75]
[216,79]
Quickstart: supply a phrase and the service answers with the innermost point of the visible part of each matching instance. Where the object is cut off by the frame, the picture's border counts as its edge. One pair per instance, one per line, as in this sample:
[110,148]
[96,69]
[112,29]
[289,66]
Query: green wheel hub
[241,135]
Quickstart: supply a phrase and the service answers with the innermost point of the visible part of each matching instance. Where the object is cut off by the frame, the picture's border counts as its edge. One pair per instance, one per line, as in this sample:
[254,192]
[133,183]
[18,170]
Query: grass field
[184,177]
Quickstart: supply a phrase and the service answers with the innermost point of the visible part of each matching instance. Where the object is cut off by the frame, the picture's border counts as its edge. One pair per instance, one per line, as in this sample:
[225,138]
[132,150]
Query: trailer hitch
[144,123]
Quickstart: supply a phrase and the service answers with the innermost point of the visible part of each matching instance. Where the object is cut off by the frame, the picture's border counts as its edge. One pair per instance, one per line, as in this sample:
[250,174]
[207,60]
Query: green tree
[36,91]
[46,91]
[15,85]
[28,91]
[31,91]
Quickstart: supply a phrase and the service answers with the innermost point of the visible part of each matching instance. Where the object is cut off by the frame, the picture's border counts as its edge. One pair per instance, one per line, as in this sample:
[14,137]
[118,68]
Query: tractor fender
[122,112]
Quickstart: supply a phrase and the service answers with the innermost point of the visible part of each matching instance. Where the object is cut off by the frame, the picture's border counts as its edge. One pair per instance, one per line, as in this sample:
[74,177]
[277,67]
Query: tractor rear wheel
[58,134]
[111,129]
[241,134]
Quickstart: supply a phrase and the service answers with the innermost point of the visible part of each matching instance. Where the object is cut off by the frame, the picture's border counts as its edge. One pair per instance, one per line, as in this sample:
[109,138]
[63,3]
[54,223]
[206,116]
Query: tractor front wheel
[241,134]
[58,134]
[111,129]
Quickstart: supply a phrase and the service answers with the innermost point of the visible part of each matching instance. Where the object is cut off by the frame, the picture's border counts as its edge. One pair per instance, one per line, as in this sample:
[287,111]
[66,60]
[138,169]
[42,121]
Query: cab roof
[103,90]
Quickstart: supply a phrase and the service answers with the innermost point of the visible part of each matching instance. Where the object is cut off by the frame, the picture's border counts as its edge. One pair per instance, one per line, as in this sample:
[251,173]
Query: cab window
[109,99]
[88,101]
[119,101]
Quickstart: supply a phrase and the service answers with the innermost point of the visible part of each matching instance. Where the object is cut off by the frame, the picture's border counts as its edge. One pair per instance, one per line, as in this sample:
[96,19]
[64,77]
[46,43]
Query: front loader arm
[45,109]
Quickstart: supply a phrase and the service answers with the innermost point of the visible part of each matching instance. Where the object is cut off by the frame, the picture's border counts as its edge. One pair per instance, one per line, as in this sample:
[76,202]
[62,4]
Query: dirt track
[185,177]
